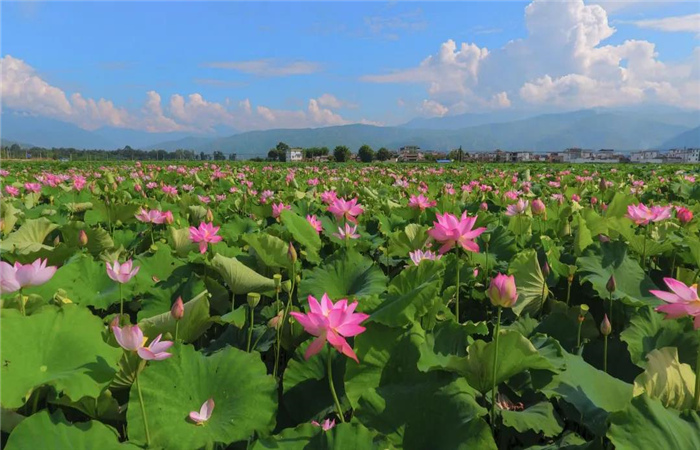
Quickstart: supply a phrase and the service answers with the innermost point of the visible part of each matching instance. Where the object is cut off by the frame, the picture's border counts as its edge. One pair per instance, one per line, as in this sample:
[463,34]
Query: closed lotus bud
[168,216]
[287,286]
[210,216]
[486,237]
[602,185]
[56,241]
[684,215]
[537,207]
[476,272]
[292,253]
[276,321]
[545,270]
[484,206]
[178,309]
[611,284]
[82,238]
[605,327]
[502,291]
[253,299]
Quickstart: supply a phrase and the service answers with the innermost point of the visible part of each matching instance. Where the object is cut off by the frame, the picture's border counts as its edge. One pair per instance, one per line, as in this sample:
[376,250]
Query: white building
[689,155]
[652,156]
[294,155]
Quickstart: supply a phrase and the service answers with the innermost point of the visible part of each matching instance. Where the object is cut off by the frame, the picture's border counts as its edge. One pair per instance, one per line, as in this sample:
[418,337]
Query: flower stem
[177,326]
[578,340]
[121,304]
[568,292]
[329,366]
[457,284]
[143,410]
[277,334]
[250,327]
[605,355]
[697,382]
[21,303]
[493,371]
[644,249]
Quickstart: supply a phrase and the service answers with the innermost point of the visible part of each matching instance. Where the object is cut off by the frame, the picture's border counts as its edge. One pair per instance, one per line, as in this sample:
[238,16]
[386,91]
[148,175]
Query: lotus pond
[241,306]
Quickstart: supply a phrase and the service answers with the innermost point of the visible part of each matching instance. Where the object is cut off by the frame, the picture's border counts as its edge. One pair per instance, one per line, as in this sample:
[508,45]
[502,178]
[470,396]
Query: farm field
[273,306]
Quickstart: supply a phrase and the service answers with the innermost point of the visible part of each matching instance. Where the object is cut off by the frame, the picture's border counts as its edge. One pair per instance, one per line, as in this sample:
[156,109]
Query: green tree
[282,147]
[383,154]
[341,153]
[366,153]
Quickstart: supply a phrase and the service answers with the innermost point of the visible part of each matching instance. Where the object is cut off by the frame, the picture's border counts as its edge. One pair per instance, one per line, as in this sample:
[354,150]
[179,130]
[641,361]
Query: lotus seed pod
[253,299]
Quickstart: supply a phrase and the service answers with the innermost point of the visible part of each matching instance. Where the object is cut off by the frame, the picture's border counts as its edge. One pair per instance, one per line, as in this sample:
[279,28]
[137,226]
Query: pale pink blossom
[199,418]
[683,301]
[122,273]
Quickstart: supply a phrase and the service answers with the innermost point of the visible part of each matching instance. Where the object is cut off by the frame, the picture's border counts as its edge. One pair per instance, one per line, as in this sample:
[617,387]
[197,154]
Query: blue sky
[294,64]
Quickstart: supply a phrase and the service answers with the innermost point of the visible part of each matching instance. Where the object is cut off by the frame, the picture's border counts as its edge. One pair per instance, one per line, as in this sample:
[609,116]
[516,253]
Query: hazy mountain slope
[44,132]
[690,138]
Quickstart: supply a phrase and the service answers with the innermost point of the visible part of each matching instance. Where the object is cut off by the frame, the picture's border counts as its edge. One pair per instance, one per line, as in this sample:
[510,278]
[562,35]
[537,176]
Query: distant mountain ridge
[594,129]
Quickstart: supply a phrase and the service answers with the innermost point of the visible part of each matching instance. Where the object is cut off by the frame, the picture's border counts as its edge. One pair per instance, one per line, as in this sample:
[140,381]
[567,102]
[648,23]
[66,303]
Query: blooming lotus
[680,302]
[347,233]
[205,234]
[450,231]
[642,214]
[14,278]
[278,208]
[419,255]
[156,350]
[152,216]
[199,418]
[131,338]
[325,425]
[331,322]
[502,291]
[348,209]
[122,273]
[420,202]
[518,208]
[314,222]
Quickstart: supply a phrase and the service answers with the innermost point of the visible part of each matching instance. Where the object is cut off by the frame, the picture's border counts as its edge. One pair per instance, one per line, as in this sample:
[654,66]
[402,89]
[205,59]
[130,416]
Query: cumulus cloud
[24,90]
[689,23]
[564,61]
[269,67]
[432,108]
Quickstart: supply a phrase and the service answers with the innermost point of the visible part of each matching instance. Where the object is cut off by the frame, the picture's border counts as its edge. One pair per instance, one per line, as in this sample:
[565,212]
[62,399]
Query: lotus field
[252,306]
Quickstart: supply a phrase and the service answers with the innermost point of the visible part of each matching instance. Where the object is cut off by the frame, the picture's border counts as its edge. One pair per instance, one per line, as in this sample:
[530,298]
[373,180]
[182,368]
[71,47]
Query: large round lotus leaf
[245,398]
[539,418]
[344,276]
[59,347]
[345,436]
[240,278]
[645,423]
[301,230]
[44,431]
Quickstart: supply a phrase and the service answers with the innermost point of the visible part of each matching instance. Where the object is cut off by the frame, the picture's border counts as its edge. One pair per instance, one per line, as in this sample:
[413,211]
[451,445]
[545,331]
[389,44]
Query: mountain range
[622,130]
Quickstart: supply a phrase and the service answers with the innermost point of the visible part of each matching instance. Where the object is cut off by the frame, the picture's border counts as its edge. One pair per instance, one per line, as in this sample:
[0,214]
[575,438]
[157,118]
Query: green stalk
[329,367]
[457,283]
[493,372]
[605,355]
[578,340]
[568,292]
[21,303]
[250,328]
[121,304]
[177,326]
[644,249]
[697,382]
[143,410]
[486,270]
[277,334]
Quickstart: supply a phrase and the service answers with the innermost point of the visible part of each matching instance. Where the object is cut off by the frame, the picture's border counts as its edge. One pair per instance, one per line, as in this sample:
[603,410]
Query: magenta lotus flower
[205,234]
[683,301]
[199,418]
[156,350]
[11,190]
[518,208]
[129,337]
[419,255]
[420,202]
[642,214]
[450,231]
[278,208]
[348,209]
[314,222]
[347,233]
[325,425]
[684,215]
[331,322]
[502,291]
[538,207]
[328,197]
[20,276]
[122,273]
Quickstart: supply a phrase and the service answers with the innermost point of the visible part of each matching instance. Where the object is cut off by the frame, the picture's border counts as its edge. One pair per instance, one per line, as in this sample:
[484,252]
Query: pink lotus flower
[129,337]
[33,187]
[347,233]
[156,350]
[205,234]
[538,207]
[313,220]
[684,215]
[11,190]
[14,278]
[502,291]
[419,255]
[122,273]
[278,208]
[682,302]
[642,214]
[518,208]
[420,202]
[152,216]
[449,231]
[328,197]
[342,208]
[331,322]
[199,418]
[325,425]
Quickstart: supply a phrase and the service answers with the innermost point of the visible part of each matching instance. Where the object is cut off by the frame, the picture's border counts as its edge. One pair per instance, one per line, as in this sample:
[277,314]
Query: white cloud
[432,108]
[563,61]
[23,88]
[269,67]
[688,24]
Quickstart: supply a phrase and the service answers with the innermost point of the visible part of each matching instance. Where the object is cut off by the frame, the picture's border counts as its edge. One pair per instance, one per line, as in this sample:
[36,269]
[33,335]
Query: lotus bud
[602,185]
[486,237]
[253,299]
[56,241]
[502,291]
[605,327]
[537,207]
[292,253]
[611,284]
[82,238]
[287,286]
[168,216]
[210,216]
[276,322]
[484,206]
[545,269]
[603,238]
[178,309]
[684,215]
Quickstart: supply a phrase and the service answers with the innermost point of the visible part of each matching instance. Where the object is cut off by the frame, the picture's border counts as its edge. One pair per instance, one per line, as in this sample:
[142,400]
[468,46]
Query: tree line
[127,153]
[341,153]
